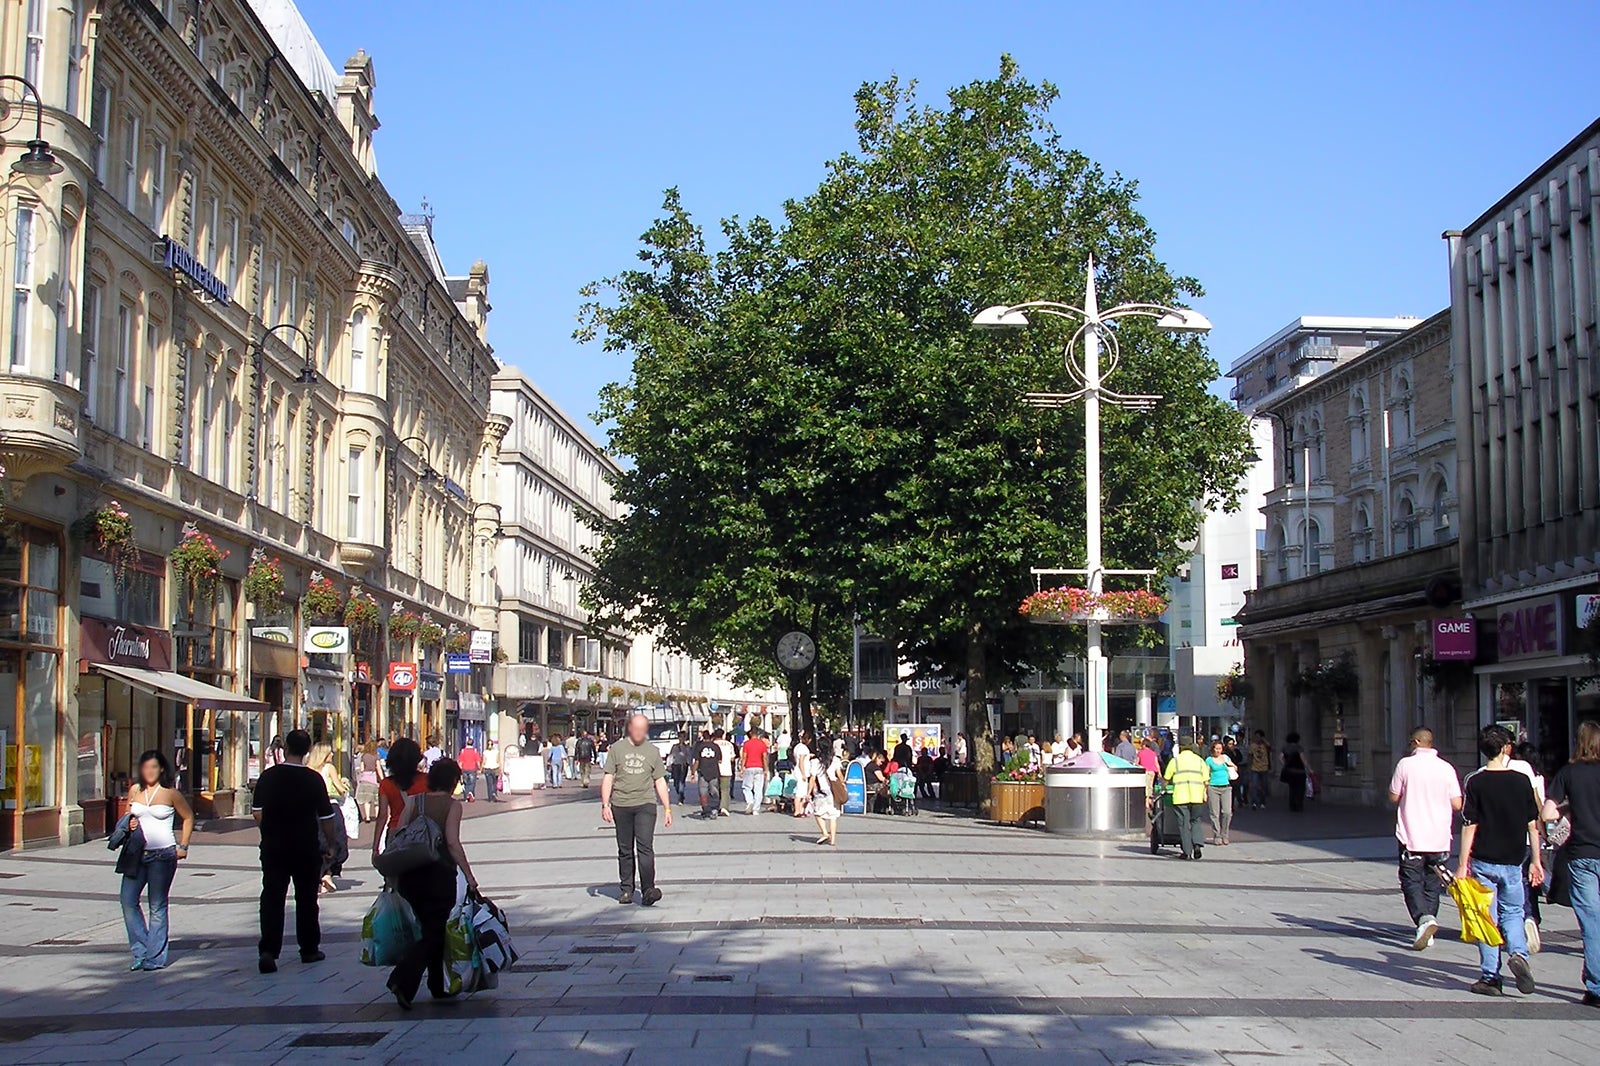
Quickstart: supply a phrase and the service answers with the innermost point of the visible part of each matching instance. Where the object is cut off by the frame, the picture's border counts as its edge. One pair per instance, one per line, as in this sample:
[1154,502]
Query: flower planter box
[1012,802]
[1105,618]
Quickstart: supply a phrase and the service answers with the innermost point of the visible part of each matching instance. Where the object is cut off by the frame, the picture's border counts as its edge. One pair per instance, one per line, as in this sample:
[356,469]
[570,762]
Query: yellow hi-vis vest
[1187,773]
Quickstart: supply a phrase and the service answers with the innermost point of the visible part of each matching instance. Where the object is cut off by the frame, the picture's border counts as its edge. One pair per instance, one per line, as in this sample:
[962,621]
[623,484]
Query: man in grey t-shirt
[635,781]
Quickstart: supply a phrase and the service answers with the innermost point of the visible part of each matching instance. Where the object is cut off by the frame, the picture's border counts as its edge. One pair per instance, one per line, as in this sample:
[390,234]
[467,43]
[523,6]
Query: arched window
[1403,428]
[358,352]
[1280,552]
[1316,458]
[1361,534]
[1359,440]
[1405,525]
[1313,547]
[1442,530]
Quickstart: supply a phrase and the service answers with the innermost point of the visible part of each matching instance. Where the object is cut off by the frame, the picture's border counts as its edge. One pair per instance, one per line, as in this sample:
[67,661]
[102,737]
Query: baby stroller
[780,792]
[903,792]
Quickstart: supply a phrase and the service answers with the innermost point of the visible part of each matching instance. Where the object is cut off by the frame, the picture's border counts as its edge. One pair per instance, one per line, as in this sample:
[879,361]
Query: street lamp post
[37,161]
[1089,376]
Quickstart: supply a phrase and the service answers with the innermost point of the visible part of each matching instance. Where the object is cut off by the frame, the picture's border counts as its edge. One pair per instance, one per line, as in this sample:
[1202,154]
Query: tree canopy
[812,430]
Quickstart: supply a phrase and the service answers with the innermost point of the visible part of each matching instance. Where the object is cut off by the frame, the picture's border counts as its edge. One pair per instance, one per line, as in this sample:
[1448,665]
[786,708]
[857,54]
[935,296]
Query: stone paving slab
[935,939]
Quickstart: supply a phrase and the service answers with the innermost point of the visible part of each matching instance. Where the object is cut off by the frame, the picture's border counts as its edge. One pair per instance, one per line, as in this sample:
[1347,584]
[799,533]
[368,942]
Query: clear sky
[1297,158]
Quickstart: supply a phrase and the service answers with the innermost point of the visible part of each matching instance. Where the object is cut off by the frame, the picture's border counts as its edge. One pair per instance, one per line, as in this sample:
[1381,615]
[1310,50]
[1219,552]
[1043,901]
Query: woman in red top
[405,779]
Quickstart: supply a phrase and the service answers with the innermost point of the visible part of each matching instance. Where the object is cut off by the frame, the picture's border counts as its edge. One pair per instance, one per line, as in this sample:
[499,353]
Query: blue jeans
[148,942]
[1507,907]
[555,773]
[1586,905]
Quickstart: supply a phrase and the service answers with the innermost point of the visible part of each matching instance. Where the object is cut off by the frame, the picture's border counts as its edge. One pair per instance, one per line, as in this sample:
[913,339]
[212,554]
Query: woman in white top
[153,805]
[801,756]
[824,807]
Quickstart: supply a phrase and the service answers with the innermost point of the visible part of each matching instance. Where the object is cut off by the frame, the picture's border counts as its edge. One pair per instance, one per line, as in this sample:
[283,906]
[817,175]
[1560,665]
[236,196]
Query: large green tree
[814,430]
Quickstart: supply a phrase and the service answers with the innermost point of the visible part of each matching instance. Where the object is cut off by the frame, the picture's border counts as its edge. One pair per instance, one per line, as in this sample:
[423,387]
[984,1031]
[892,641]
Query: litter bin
[1094,800]
[959,787]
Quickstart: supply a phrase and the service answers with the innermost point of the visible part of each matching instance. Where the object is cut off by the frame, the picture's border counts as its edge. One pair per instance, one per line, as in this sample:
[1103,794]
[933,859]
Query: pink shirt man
[1428,793]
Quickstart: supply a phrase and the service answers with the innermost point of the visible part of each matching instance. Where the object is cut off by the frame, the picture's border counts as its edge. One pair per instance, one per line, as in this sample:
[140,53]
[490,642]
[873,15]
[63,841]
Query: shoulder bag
[416,843]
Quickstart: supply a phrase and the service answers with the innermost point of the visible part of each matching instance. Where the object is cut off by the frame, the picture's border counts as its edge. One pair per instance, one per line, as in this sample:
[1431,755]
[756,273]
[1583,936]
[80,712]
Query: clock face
[796,651]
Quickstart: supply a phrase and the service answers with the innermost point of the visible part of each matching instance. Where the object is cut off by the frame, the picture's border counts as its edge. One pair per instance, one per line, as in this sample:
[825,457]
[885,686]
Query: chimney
[355,108]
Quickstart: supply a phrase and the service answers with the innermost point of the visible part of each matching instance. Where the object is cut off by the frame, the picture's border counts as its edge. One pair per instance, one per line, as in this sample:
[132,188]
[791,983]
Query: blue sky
[1296,158]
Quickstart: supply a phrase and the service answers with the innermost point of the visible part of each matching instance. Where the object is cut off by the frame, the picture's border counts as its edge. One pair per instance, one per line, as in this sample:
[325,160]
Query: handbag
[493,933]
[1233,770]
[352,817]
[415,844]
[841,794]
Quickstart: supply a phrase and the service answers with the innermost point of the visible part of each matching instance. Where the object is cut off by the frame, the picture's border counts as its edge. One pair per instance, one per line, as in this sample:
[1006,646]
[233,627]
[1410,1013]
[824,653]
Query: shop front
[430,693]
[274,672]
[471,720]
[325,710]
[1537,678]
[33,735]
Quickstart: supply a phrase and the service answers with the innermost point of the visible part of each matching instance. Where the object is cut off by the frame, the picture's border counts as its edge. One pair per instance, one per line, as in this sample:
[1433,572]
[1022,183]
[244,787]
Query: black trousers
[276,876]
[431,891]
[636,844]
[1420,884]
[680,778]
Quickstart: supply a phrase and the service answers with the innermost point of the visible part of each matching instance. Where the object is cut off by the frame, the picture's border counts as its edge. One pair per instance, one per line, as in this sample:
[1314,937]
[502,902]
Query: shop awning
[170,686]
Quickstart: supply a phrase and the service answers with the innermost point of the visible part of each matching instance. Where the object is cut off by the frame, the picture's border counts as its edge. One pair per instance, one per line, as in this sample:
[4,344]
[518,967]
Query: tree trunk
[975,699]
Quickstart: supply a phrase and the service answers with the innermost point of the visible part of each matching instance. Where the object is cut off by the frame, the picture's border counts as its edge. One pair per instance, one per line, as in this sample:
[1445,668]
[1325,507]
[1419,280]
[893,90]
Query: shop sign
[456,663]
[363,673]
[482,646]
[175,256]
[926,685]
[327,640]
[1455,640]
[402,677]
[430,686]
[1230,571]
[1587,607]
[323,695]
[1529,629]
[125,644]
[276,634]
[471,707]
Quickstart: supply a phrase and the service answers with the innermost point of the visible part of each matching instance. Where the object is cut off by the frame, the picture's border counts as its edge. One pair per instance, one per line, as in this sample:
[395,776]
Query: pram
[780,792]
[903,792]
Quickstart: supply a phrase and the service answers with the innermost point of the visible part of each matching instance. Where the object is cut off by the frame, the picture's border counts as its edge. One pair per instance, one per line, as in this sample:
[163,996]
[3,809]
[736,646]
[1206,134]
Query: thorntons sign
[125,644]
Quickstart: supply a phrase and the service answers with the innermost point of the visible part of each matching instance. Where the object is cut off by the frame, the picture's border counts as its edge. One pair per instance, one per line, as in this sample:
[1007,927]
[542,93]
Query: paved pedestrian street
[934,939]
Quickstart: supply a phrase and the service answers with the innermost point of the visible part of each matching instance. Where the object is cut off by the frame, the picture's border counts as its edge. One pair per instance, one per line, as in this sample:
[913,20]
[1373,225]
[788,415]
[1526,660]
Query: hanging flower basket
[263,582]
[595,689]
[1070,604]
[405,625]
[430,634]
[197,562]
[361,616]
[1235,687]
[500,655]
[614,693]
[457,642]
[321,604]
[109,529]
[1332,682]
[634,695]
[569,687]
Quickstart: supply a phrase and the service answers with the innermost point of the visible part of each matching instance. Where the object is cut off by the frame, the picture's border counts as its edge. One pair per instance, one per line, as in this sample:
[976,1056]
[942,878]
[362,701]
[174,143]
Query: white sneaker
[1531,927]
[1425,933]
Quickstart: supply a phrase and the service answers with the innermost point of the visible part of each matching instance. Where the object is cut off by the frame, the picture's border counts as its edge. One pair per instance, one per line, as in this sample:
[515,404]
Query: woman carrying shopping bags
[431,889]
[153,805]
[321,760]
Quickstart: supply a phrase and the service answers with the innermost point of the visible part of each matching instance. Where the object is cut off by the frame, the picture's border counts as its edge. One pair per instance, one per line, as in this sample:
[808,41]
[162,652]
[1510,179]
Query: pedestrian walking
[431,889]
[1522,760]
[583,752]
[153,807]
[1221,773]
[1187,773]
[432,753]
[753,761]
[470,761]
[1426,793]
[406,778]
[678,760]
[1125,749]
[1500,821]
[323,761]
[633,783]
[824,800]
[1574,793]
[730,754]
[1295,772]
[491,773]
[1260,771]
[1241,777]
[557,759]
[369,769]
[902,753]
[707,771]
[800,761]
[298,824]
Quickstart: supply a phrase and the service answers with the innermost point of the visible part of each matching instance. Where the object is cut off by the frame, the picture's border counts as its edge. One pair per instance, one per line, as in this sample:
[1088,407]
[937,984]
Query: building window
[91,351]
[33,56]
[100,121]
[1405,525]
[358,352]
[30,590]
[148,411]
[1441,513]
[1360,441]
[1361,535]
[208,246]
[586,654]
[555,647]
[130,163]
[1313,547]
[158,189]
[119,392]
[75,60]
[64,293]
[352,518]
[527,641]
[22,290]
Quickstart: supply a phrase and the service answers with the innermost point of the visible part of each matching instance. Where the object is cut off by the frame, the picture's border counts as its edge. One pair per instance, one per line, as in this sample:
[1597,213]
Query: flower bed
[1012,802]
[1070,604]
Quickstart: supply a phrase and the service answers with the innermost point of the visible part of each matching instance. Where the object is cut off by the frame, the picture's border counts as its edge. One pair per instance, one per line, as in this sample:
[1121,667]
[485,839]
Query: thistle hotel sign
[175,256]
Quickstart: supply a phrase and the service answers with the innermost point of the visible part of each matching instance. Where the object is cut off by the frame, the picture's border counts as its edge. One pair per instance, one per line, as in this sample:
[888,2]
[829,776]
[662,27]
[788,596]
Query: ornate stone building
[1361,556]
[221,325]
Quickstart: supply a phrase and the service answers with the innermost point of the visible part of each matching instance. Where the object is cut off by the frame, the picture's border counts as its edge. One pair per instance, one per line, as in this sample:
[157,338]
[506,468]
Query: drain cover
[337,1040]
[710,978]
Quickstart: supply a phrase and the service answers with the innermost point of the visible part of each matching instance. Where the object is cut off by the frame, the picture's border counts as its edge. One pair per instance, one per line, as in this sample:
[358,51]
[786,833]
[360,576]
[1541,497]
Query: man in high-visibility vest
[1187,774]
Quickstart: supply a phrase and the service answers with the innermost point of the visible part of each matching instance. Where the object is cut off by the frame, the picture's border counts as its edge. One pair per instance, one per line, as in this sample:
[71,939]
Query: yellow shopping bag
[1475,899]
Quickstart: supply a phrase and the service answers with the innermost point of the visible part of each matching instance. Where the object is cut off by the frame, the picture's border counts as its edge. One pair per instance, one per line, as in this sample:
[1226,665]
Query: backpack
[417,843]
[585,749]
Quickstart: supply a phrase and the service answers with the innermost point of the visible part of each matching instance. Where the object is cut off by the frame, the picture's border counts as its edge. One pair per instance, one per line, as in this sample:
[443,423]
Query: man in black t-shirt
[1500,820]
[708,769]
[291,805]
[1575,792]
